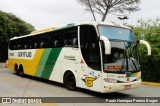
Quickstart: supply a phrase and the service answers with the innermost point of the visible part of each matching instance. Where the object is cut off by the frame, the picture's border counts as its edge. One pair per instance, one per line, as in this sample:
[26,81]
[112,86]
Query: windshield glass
[115,32]
[124,51]
[123,57]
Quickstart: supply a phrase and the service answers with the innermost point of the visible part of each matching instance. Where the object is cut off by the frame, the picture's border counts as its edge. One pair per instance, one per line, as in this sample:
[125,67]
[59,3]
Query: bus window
[31,44]
[15,45]
[70,37]
[19,46]
[26,43]
[75,42]
[56,39]
[25,46]
[11,45]
[56,43]
[42,44]
[35,45]
[90,46]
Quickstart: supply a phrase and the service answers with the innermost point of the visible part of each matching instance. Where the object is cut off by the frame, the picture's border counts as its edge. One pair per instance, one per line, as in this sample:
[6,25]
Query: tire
[16,69]
[21,73]
[69,81]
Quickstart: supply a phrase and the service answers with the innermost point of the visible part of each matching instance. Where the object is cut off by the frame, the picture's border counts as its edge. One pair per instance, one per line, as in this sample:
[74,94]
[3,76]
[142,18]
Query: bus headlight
[109,80]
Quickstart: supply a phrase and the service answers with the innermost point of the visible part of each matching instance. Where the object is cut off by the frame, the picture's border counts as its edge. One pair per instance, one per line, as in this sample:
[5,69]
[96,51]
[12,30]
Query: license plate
[127,86]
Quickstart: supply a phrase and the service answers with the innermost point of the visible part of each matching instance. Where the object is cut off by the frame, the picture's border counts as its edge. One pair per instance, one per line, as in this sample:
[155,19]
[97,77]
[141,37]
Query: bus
[97,56]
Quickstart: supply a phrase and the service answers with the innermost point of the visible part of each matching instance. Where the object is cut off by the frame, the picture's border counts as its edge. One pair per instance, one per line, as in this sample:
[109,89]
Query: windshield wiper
[134,64]
[127,60]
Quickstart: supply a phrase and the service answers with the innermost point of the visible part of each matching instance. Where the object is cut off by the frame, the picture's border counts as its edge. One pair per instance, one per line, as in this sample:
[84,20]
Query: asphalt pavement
[15,86]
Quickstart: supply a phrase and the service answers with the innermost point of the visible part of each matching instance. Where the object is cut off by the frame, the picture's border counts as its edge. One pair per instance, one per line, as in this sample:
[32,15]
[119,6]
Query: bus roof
[94,23]
[43,30]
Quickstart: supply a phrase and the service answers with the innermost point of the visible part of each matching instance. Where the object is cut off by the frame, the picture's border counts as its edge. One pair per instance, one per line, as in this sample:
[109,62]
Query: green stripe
[42,62]
[130,75]
[51,60]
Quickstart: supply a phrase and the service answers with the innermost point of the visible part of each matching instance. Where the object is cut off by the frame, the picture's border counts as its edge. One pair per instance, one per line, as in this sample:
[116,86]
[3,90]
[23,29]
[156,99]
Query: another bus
[97,56]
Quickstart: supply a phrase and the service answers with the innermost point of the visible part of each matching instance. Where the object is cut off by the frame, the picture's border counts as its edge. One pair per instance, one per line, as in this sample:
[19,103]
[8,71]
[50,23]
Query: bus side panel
[50,63]
[67,61]
[42,62]
[29,65]
[34,63]
[11,63]
[46,62]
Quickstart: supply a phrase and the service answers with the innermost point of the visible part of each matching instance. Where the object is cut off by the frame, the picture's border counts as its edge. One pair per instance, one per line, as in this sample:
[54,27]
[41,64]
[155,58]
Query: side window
[32,41]
[70,37]
[38,41]
[43,41]
[15,42]
[26,44]
[56,39]
[14,45]
[20,44]
[90,46]
[11,45]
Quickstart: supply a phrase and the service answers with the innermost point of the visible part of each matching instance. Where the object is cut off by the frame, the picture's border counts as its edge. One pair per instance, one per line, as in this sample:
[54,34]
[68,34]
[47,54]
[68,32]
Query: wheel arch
[74,73]
[21,67]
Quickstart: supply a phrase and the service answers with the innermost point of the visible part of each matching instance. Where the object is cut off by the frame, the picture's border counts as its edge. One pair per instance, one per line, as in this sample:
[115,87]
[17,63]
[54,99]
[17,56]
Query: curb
[150,83]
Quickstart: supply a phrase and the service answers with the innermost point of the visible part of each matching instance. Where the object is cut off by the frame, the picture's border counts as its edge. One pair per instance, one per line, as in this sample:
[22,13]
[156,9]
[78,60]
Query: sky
[55,13]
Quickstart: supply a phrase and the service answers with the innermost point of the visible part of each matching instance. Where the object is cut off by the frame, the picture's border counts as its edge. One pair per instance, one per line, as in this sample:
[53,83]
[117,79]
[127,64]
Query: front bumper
[113,87]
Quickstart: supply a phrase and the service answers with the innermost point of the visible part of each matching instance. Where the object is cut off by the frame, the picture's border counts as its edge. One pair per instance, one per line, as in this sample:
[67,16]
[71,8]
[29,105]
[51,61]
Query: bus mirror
[107,44]
[147,45]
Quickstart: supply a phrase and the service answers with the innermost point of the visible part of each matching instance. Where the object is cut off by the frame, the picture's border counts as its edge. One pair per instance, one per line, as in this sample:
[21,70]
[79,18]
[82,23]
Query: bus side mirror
[107,45]
[147,45]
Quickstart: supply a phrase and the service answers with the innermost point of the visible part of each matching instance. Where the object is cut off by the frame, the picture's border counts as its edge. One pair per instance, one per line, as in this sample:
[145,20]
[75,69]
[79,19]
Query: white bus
[98,56]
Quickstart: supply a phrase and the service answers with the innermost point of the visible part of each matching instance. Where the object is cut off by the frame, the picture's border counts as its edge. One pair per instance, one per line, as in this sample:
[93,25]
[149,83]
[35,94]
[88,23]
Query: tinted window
[55,39]
[90,46]
[70,37]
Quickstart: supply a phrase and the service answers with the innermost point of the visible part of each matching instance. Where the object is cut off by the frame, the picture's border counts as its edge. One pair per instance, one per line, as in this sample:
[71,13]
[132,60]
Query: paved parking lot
[15,86]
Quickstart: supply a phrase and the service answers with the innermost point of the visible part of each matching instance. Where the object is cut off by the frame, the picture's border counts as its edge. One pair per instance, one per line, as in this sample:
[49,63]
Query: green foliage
[11,26]
[150,64]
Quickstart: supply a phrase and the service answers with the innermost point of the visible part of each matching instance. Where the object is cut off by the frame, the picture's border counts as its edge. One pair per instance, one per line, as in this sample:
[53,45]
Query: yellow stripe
[150,83]
[34,64]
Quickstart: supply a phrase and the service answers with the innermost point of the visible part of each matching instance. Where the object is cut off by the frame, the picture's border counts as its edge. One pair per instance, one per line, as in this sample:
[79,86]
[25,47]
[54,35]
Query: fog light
[108,88]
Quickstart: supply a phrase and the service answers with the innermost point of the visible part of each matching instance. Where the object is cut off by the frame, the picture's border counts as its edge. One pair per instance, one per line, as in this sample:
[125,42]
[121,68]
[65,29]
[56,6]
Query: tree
[105,7]
[149,64]
[11,26]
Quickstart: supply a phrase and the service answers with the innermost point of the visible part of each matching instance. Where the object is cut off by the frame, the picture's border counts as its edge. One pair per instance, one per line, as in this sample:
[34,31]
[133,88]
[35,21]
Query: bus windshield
[115,32]
[124,51]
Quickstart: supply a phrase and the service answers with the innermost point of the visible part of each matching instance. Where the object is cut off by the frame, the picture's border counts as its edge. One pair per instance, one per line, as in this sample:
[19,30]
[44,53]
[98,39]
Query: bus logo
[89,81]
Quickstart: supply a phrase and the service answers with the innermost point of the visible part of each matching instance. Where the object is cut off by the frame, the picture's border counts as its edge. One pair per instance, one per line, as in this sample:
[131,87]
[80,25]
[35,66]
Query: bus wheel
[16,69]
[21,73]
[69,81]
